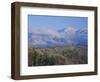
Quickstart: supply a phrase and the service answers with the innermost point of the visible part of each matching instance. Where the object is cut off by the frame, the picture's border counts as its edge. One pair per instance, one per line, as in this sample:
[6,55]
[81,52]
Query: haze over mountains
[48,38]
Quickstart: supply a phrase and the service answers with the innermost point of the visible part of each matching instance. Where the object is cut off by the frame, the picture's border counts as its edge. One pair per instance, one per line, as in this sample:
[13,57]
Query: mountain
[44,38]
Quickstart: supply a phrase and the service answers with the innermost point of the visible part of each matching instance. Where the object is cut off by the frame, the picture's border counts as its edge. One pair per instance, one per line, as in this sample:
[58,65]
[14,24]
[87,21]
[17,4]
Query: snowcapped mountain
[52,38]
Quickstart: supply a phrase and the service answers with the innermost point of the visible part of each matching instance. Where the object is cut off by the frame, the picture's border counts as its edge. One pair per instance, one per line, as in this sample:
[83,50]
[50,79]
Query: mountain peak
[68,29]
[51,38]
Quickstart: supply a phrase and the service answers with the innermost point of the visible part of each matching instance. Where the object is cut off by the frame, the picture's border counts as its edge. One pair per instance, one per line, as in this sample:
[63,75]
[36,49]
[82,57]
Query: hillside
[63,55]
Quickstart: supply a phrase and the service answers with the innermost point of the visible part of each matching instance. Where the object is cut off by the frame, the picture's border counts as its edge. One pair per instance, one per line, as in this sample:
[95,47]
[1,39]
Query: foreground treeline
[57,56]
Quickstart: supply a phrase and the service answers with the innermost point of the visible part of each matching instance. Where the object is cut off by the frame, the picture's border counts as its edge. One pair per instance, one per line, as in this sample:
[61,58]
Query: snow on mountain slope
[52,38]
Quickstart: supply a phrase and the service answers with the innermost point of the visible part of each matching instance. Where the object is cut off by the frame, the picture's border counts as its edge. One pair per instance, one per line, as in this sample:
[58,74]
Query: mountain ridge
[50,38]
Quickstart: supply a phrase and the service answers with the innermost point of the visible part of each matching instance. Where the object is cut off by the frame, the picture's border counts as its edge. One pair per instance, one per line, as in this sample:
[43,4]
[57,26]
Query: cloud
[51,37]
[46,31]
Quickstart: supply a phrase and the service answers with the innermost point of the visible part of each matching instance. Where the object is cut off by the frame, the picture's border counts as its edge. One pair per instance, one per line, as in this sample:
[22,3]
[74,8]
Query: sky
[56,22]
[49,31]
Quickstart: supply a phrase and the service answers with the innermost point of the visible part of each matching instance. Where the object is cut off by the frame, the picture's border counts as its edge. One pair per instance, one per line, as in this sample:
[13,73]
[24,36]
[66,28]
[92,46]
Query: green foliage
[57,56]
